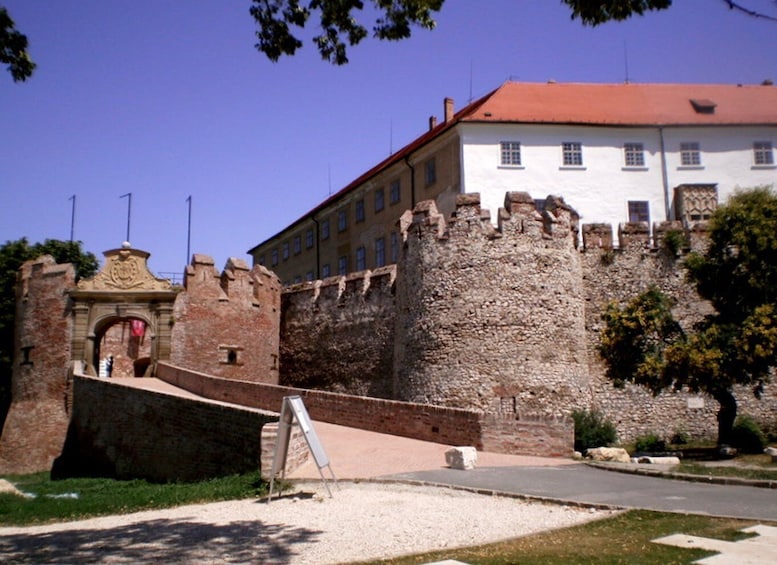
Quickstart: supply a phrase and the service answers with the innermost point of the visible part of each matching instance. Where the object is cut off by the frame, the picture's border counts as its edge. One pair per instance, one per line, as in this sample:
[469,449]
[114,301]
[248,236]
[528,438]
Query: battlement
[338,288]
[237,282]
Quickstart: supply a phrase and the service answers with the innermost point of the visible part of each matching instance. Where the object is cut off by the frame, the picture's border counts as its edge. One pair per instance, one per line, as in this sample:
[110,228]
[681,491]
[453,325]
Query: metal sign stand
[293,408]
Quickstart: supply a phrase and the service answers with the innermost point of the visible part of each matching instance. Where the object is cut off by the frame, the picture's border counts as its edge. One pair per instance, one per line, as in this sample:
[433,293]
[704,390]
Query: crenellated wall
[483,310]
[227,323]
[339,333]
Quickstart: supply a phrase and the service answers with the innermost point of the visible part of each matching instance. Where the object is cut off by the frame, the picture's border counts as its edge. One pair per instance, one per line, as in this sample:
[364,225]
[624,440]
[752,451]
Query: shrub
[592,430]
[747,436]
[673,242]
[680,438]
[649,443]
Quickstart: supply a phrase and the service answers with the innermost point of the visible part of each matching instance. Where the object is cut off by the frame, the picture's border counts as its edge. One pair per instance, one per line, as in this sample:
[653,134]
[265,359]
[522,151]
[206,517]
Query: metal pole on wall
[129,211]
[189,232]
[72,217]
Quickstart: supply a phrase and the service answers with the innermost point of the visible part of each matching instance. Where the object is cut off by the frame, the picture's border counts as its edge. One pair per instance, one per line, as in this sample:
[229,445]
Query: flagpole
[189,232]
[72,217]
[129,211]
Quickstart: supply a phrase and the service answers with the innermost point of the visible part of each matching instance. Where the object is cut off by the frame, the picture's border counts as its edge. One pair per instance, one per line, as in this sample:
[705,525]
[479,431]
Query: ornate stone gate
[124,288]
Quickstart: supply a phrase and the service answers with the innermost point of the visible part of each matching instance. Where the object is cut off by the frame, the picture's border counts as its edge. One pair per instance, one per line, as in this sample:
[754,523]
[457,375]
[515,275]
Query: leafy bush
[592,430]
[649,443]
[673,242]
[747,436]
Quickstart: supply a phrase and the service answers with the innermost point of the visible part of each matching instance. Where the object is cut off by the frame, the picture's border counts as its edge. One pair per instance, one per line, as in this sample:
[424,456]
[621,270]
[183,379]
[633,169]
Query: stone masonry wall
[492,319]
[227,324]
[338,334]
[124,432]
[620,274]
[34,430]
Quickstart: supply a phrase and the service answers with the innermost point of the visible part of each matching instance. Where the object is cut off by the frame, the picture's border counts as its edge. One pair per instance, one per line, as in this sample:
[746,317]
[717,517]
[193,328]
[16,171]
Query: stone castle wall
[506,320]
[323,330]
[492,319]
[34,430]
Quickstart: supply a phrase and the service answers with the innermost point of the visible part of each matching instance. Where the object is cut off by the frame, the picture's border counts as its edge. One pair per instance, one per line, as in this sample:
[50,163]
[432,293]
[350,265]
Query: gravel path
[361,521]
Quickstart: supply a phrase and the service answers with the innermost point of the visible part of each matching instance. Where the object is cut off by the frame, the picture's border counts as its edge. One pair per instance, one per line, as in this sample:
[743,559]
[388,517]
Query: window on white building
[763,153]
[690,154]
[639,211]
[325,271]
[297,245]
[380,199]
[634,154]
[342,265]
[285,250]
[510,153]
[325,229]
[572,154]
[274,257]
[309,239]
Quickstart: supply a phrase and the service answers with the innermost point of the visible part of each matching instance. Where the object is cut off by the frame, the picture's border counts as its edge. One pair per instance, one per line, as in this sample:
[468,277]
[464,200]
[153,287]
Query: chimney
[448,109]
[432,122]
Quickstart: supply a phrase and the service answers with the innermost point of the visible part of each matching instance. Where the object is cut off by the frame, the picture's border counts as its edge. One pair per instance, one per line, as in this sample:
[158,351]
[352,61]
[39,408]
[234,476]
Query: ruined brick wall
[449,426]
[491,319]
[338,334]
[34,430]
[227,324]
[123,432]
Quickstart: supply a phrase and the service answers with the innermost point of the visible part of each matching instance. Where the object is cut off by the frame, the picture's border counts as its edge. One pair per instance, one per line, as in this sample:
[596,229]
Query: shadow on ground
[161,541]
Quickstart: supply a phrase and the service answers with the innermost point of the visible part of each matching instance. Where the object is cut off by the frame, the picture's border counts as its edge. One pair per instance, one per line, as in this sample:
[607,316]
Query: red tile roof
[627,104]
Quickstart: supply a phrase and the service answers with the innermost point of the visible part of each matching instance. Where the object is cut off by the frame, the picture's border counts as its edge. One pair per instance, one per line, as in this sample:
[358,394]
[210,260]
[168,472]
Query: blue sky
[169,99]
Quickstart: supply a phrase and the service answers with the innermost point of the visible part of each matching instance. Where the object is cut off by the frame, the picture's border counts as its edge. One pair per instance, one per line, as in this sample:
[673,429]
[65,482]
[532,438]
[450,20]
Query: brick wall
[227,324]
[124,432]
[34,430]
[448,426]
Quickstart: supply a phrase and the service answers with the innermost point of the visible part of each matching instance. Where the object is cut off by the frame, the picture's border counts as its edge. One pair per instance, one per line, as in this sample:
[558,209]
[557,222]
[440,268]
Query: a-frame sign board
[293,408]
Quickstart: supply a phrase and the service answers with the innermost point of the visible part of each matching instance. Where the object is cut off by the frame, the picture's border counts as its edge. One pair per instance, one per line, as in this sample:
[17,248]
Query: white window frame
[690,154]
[572,155]
[633,204]
[510,154]
[763,154]
[634,155]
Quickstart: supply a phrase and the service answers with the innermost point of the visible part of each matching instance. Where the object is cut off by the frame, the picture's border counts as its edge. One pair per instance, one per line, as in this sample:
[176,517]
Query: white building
[614,152]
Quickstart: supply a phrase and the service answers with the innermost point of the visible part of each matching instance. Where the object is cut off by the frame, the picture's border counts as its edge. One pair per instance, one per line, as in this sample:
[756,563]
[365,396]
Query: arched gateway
[124,290]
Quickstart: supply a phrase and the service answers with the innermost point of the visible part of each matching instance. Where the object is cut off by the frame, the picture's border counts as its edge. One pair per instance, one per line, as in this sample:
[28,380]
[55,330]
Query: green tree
[13,49]
[12,255]
[643,344]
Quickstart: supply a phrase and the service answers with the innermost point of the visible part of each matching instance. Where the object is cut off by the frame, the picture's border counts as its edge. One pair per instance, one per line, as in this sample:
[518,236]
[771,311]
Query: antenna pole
[626,60]
[129,212]
[72,217]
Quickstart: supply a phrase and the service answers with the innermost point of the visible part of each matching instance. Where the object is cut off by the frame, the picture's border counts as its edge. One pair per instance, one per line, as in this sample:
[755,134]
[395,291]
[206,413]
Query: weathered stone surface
[616,454]
[464,458]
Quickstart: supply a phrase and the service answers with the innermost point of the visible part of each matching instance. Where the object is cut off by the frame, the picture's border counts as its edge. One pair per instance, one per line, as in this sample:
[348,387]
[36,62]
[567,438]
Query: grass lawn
[624,538]
[72,499]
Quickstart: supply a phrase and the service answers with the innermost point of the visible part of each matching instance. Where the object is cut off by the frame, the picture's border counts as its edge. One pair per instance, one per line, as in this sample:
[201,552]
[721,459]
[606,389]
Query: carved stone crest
[125,269]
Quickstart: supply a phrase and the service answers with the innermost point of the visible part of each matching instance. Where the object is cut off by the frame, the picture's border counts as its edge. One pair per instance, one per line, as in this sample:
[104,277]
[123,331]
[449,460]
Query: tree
[643,344]
[13,49]
[12,255]
[338,24]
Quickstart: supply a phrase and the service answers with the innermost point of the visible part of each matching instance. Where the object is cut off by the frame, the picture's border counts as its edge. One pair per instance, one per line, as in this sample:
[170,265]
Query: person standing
[109,366]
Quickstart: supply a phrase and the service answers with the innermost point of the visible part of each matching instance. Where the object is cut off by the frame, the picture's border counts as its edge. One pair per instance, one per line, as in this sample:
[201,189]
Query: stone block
[616,454]
[464,458]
